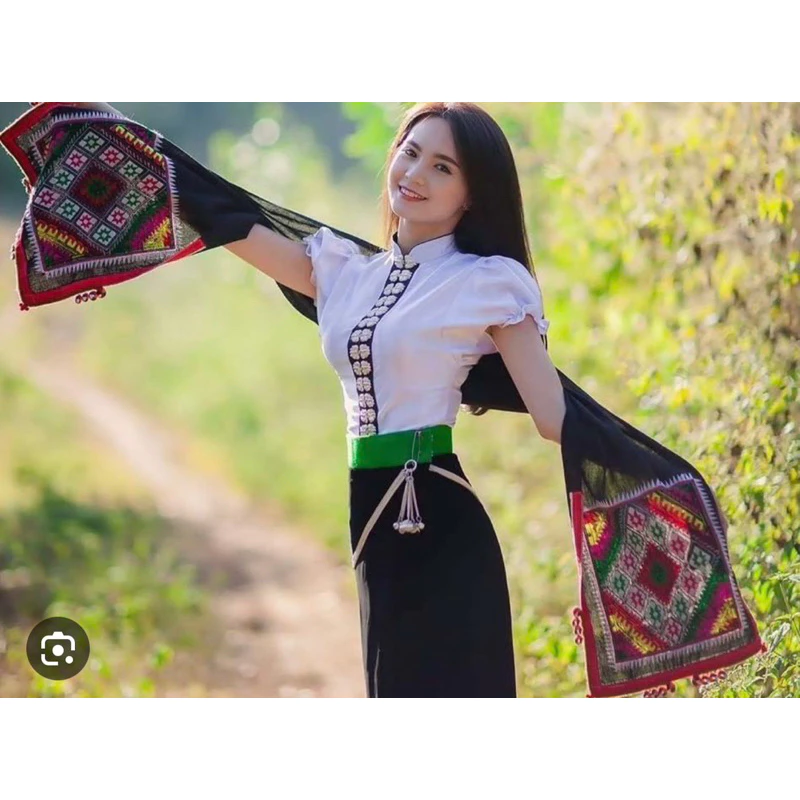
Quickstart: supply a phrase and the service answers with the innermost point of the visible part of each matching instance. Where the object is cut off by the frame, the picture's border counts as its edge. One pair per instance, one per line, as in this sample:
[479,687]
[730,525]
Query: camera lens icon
[58,648]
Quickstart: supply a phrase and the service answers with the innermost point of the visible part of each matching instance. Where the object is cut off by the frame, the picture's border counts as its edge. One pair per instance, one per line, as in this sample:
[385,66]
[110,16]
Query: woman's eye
[410,152]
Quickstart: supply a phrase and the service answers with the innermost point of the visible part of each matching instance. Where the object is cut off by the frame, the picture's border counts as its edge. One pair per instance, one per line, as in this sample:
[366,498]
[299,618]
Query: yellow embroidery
[594,529]
[138,143]
[678,510]
[50,233]
[159,238]
[640,642]
[727,615]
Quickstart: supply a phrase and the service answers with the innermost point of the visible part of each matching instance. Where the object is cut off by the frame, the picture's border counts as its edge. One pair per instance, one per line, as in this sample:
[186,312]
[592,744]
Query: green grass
[78,539]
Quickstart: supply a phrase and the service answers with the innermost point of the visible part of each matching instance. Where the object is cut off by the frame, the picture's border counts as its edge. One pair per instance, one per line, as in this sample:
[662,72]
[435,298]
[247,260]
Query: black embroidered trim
[360,342]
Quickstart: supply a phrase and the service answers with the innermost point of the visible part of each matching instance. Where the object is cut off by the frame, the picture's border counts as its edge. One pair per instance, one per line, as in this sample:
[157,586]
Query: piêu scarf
[110,199]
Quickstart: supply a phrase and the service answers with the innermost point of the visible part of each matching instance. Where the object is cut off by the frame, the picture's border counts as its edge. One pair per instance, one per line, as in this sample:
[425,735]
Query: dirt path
[285,609]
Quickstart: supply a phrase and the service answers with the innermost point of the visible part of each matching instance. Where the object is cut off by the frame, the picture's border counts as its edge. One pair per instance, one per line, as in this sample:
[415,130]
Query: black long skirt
[434,605]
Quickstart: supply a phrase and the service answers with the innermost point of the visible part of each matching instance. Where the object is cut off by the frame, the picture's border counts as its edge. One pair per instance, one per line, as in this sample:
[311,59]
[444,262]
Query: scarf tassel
[704,678]
[576,625]
[92,295]
[660,691]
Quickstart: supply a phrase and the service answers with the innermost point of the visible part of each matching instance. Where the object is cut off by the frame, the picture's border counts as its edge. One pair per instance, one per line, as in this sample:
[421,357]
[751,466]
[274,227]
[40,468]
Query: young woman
[402,330]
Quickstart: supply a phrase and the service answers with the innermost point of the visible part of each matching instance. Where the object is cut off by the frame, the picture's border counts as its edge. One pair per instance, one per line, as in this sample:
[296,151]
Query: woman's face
[426,163]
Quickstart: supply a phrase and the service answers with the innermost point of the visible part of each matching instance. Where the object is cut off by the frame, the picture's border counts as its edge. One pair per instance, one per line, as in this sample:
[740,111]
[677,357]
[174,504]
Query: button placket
[361,338]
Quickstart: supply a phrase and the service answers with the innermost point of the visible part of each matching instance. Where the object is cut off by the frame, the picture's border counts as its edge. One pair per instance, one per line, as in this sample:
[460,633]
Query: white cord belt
[409,520]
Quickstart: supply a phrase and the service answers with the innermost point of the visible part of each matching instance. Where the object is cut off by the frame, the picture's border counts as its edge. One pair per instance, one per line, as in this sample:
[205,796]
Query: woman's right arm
[282,259]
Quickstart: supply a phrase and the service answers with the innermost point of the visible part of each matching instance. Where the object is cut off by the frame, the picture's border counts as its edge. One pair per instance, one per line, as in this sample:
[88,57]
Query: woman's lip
[408,196]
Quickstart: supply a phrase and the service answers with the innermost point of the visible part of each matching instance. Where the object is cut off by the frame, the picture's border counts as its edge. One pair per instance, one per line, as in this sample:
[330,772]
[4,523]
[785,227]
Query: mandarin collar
[425,251]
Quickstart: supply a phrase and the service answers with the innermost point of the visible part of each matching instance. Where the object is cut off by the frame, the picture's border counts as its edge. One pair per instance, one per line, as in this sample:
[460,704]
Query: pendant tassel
[409,520]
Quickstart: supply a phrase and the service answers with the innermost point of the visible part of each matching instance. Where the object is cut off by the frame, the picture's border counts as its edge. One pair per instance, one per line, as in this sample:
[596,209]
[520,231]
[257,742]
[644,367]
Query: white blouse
[402,332]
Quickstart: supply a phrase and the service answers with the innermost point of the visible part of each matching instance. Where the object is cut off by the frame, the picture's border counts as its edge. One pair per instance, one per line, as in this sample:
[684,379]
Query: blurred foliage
[682,223]
[76,541]
[376,124]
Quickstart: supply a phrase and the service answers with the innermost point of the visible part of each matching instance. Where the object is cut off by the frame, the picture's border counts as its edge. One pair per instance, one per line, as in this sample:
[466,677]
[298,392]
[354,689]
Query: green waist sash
[396,448]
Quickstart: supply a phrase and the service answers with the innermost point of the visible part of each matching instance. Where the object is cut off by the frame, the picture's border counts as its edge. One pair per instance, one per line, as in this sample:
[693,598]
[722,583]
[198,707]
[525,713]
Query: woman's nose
[413,179]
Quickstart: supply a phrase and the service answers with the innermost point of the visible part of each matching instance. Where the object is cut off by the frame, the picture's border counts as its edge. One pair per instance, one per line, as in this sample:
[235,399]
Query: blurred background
[146,490]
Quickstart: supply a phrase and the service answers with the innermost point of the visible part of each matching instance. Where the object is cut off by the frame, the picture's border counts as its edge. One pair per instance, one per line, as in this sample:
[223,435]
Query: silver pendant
[409,520]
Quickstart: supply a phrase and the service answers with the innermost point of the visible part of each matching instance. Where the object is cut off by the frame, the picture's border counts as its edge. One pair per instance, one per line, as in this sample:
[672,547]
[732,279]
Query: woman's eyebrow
[435,155]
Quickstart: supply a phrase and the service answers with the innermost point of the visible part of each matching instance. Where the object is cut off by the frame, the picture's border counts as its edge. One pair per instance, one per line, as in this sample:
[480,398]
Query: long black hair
[494,224]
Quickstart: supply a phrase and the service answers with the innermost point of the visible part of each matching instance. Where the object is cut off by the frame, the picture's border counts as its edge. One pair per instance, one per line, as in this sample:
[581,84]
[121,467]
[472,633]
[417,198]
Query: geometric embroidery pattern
[660,592]
[115,175]
[102,201]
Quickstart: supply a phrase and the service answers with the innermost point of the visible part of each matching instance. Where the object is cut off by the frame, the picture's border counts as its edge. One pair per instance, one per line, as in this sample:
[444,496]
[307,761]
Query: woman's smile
[409,194]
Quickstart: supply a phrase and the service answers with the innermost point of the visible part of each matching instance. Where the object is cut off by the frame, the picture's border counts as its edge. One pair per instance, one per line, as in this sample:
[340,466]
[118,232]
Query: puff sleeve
[507,293]
[328,253]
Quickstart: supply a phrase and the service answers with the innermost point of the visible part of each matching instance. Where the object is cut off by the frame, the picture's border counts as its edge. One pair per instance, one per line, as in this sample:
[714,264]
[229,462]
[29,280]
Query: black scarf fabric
[110,199]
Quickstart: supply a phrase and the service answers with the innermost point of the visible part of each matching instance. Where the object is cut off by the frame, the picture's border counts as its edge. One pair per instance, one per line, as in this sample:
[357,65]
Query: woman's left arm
[534,375]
